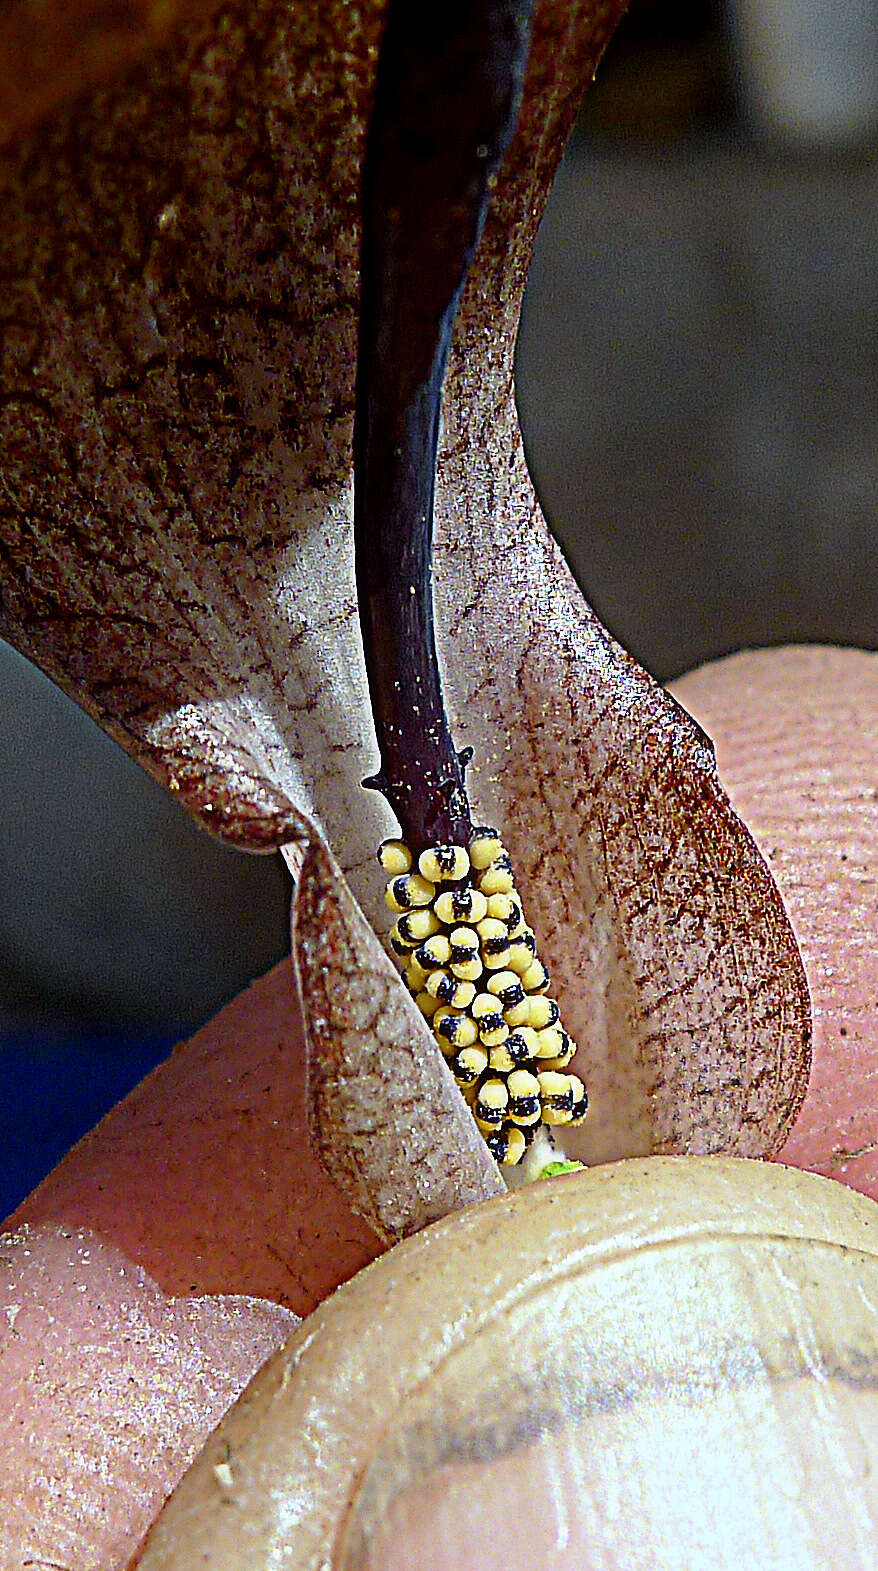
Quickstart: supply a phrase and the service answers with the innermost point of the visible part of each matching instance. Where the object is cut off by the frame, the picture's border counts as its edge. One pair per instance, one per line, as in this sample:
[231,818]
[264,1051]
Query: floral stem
[447,95]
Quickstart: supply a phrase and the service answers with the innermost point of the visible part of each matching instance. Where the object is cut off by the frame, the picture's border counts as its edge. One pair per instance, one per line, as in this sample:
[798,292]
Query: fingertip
[205,1176]
[796,737]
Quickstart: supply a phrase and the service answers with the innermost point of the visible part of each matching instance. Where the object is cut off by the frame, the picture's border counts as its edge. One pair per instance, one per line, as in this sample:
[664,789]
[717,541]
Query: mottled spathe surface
[181,262]
[391,1126]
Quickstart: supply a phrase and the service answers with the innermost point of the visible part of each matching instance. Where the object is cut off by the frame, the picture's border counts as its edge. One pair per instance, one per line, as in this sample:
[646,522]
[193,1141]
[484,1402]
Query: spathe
[179,262]
[389,1123]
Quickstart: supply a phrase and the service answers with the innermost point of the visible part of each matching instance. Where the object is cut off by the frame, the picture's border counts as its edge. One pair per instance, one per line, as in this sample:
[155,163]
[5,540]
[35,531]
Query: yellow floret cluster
[470,962]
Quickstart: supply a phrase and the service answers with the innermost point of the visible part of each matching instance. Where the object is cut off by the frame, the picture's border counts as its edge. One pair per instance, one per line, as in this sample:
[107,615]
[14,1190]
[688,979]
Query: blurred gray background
[697,384]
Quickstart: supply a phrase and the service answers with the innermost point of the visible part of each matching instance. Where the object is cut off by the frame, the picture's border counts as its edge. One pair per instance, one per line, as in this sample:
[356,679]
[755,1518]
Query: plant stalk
[448,90]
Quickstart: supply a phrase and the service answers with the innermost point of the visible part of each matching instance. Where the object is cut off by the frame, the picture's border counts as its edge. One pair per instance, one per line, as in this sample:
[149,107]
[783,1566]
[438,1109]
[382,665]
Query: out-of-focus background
[697,383]
[698,380]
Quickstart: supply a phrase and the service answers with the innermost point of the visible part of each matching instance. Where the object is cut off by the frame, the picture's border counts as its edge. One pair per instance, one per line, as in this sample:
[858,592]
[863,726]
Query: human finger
[796,734]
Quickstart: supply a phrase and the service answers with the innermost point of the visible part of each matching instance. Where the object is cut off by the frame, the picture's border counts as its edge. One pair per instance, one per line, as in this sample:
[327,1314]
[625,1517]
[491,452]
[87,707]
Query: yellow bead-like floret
[394,857]
[499,1057]
[492,1102]
[580,1100]
[435,951]
[506,909]
[470,961]
[506,986]
[493,1030]
[415,975]
[542,1012]
[508,1145]
[460,905]
[485,1010]
[520,1045]
[484,847]
[464,942]
[555,1116]
[485,1004]
[427,1004]
[497,878]
[521,953]
[402,946]
[445,864]
[536,978]
[450,990]
[549,1041]
[524,1097]
[562,1058]
[465,961]
[414,926]
[409,891]
[454,1028]
[467,970]
[494,943]
[468,1064]
[556,1096]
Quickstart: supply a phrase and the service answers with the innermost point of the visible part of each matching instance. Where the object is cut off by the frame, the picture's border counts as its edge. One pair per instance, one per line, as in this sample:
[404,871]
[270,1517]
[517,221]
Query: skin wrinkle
[92,1333]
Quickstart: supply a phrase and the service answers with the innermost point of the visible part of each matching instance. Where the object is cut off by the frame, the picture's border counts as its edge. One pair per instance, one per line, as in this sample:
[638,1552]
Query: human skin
[148,1278]
[663,1519]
